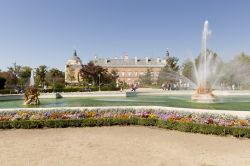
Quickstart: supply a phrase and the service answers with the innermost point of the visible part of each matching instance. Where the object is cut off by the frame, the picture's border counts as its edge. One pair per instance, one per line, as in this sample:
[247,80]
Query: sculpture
[31,96]
[31,93]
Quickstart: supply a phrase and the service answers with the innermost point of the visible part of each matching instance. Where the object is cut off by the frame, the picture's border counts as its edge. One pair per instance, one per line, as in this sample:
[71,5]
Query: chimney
[167,54]
[158,60]
[135,59]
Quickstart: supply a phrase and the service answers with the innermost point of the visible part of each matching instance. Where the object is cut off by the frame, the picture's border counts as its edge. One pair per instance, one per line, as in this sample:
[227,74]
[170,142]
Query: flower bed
[206,123]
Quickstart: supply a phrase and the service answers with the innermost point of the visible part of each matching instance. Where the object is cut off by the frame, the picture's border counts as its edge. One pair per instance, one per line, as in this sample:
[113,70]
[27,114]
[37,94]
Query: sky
[46,32]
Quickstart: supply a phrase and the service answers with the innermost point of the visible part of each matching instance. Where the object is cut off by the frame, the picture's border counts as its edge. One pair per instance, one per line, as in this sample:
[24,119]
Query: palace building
[128,69]
[72,68]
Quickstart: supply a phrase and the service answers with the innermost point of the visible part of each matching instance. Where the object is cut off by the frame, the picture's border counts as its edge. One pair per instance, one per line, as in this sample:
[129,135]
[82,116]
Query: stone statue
[31,96]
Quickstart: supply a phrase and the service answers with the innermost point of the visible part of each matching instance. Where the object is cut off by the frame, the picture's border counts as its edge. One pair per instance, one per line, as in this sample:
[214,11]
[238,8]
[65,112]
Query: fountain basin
[180,99]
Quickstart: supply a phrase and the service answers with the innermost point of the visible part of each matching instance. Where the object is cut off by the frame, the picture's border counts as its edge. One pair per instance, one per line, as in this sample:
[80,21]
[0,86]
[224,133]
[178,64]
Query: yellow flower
[152,116]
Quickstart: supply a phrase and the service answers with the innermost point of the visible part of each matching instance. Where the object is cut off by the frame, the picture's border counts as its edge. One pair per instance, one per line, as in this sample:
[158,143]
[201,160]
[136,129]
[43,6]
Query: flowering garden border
[91,122]
[195,122]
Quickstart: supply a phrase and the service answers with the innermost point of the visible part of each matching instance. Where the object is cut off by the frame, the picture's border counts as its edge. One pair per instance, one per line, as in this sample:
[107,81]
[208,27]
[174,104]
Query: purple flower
[47,114]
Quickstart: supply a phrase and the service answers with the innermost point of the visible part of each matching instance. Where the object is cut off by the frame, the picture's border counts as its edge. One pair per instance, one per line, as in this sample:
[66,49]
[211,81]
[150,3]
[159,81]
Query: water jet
[203,72]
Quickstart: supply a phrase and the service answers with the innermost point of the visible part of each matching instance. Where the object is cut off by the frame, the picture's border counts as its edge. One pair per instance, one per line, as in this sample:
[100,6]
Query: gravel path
[123,146]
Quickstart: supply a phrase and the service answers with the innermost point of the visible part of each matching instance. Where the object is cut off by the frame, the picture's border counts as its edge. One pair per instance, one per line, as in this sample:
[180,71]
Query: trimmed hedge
[91,122]
[68,89]
[6,91]
[2,82]
[82,89]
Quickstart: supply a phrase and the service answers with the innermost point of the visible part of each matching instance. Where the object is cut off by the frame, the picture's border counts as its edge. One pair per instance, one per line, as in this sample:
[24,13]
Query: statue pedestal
[31,102]
[203,98]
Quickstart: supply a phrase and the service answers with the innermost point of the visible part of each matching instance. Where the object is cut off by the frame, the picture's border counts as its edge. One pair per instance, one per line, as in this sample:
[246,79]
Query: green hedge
[2,82]
[6,91]
[91,122]
[68,89]
[82,89]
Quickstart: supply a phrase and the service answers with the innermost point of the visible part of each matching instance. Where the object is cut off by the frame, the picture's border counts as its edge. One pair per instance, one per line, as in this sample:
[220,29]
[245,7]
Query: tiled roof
[132,62]
[75,59]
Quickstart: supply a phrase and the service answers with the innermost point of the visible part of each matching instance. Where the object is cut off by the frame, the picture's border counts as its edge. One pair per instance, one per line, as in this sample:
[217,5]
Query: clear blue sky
[36,32]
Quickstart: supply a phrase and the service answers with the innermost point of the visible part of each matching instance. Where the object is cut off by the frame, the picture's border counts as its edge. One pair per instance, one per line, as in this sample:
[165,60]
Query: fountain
[31,93]
[32,80]
[204,71]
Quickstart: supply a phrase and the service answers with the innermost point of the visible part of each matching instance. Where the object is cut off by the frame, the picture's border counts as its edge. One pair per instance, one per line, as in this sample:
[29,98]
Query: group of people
[134,87]
[19,90]
[169,86]
[225,86]
[175,86]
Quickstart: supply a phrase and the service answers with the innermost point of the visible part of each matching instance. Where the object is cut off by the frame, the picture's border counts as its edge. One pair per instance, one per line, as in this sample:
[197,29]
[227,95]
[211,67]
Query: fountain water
[32,81]
[205,71]
[31,93]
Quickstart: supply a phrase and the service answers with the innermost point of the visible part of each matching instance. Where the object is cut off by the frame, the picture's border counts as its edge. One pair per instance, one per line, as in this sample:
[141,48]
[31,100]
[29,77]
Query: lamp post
[99,75]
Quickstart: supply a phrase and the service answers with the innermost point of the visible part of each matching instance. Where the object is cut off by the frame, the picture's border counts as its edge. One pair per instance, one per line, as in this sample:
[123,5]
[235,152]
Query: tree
[40,75]
[55,75]
[192,69]
[172,64]
[237,71]
[110,77]
[146,79]
[187,70]
[15,69]
[55,78]
[114,76]
[90,73]
[243,57]
[169,73]
[24,75]
[2,82]
[11,79]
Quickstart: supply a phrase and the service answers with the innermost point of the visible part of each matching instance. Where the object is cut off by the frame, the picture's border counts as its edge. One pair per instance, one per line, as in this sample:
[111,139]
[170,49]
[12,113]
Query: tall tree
[110,78]
[237,71]
[24,75]
[40,75]
[2,82]
[11,79]
[187,70]
[170,73]
[172,64]
[92,73]
[243,57]
[55,78]
[146,79]
[15,69]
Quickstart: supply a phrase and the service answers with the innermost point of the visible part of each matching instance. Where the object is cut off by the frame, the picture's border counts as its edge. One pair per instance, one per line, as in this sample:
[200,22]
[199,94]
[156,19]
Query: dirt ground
[119,146]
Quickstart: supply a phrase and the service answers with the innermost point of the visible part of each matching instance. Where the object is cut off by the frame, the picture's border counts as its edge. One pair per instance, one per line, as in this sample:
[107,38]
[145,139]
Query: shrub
[91,122]
[6,91]
[2,82]
[58,87]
